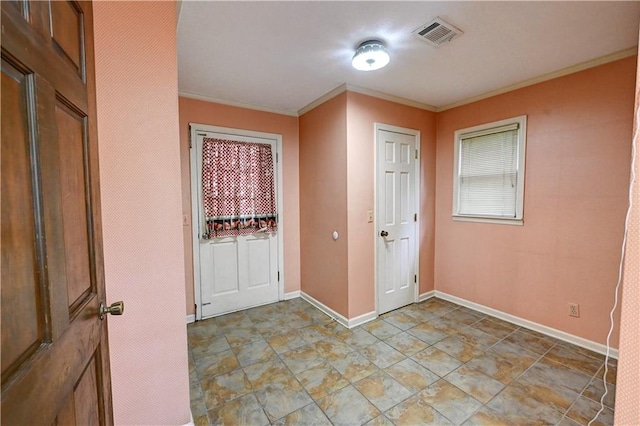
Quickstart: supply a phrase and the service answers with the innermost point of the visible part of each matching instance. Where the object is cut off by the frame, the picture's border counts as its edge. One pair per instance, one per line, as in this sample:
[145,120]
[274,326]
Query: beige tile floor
[429,363]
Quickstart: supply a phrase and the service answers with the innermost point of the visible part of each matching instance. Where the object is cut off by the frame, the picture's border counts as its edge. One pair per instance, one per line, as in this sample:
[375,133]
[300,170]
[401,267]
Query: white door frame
[416,134]
[194,128]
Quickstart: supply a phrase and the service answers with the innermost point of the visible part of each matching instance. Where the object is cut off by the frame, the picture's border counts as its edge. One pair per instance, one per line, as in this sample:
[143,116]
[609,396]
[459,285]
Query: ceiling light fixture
[370,55]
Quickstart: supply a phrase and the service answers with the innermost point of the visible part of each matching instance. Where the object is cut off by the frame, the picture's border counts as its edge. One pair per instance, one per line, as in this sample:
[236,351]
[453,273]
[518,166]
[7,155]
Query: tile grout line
[420,320]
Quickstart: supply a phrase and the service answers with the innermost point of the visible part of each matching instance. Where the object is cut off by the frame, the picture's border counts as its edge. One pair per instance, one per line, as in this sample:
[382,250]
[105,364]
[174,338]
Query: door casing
[376,224]
[196,227]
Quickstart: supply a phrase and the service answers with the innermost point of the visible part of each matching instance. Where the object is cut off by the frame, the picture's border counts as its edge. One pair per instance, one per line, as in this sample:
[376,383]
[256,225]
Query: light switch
[369,216]
[185,220]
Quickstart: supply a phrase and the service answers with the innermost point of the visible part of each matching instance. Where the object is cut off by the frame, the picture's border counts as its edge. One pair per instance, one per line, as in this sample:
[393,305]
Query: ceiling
[282,56]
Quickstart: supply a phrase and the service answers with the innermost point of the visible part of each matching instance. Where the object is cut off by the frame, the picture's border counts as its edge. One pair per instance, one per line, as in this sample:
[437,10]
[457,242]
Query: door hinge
[277,159]
[415,217]
[415,278]
[416,154]
[278,276]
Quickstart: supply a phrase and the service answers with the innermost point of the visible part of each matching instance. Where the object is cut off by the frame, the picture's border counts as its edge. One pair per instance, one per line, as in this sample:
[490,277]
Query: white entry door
[396,194]
[231,272]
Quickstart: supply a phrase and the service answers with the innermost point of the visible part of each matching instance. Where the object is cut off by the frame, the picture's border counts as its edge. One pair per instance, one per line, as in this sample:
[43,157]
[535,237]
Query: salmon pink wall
[362,113]
[323,204]
[201,112]
[137,104]
[628,379]
[577,170]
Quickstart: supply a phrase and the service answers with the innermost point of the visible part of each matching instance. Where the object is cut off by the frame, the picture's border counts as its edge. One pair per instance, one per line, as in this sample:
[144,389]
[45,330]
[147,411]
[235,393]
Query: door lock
[116,308]
[384,233]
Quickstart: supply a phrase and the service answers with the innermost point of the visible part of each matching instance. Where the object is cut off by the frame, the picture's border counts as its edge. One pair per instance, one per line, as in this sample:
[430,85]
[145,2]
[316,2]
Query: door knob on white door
[384,233]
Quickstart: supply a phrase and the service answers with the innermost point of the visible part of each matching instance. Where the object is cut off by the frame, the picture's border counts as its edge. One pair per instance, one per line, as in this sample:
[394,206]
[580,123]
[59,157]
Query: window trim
[521,121]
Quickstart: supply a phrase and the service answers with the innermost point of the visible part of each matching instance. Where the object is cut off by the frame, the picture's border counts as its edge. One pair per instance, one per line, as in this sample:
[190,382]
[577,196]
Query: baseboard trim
[425,296]
[325,309]
[347,322]
[191,318]
[548,331]
[361,319]
[292,295]
[191,422]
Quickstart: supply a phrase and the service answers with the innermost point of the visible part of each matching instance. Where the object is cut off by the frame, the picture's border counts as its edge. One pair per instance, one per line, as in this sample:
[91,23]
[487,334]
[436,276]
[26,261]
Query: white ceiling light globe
[370,55]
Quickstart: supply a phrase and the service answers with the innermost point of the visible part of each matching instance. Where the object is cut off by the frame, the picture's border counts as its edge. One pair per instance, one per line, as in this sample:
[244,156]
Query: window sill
[499,221]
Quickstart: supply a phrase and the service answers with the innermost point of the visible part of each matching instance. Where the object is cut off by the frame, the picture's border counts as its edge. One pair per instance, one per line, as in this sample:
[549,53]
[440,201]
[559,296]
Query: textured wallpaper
[627,401]
[137,101]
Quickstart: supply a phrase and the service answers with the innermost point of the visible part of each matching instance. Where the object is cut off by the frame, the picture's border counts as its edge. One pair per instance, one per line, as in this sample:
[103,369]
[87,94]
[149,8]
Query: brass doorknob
[384,233]
[116,308]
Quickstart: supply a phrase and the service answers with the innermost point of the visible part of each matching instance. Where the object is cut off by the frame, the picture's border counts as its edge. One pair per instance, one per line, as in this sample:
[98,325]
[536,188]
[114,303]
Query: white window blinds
[488,172]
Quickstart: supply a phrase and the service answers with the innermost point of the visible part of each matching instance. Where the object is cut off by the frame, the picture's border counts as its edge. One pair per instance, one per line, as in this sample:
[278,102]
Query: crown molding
[391,98]
[322,99]
[546,77]
[191,95]
[403,101]
[373,93]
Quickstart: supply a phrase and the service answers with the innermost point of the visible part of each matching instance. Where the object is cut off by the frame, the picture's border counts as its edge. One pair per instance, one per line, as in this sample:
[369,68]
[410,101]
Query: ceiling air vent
[437,32]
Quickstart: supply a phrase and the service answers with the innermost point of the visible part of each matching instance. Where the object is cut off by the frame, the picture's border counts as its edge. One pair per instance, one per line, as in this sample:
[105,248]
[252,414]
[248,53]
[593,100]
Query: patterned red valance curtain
[237,188]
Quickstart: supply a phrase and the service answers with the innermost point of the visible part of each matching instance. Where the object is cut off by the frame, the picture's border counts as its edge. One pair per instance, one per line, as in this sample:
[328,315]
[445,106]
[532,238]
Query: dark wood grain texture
[52,264]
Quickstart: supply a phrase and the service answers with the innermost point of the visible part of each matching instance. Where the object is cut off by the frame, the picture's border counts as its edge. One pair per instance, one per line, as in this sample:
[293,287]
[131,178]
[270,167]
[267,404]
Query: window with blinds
[489,172]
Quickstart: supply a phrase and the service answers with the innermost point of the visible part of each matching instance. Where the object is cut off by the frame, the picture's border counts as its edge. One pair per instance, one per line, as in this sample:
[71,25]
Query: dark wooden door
[55,366]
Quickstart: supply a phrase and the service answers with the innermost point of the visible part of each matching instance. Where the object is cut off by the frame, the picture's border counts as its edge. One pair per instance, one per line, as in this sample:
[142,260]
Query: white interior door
[232,272]
[396,222]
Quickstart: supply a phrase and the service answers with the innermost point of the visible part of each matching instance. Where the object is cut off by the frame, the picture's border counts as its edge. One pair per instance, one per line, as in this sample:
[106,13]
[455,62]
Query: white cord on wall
[620,268]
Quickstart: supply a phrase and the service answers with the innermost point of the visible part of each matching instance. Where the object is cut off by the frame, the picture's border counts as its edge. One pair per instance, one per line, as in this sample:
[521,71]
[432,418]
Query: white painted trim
[416,135]
[459,135]
[325,309]
[403,101]
[546,77]
[322,99]
[191,318]
[195,210]
[195,222]
[344,321]
[548,331]
[373,93]
[178,10]
[191,95]
[426,296]
[391,98]
[292,295]
[362,319]
[514,222]
[191,422]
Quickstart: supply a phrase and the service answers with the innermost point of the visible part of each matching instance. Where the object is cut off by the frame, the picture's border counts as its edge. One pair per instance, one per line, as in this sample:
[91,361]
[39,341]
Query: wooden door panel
[72,130]
[42,57]
[58,366]
[66,20]
[55,367]
[20,7]
[85,396]
[22,327]
[82,406]
[67,414]
[38,14]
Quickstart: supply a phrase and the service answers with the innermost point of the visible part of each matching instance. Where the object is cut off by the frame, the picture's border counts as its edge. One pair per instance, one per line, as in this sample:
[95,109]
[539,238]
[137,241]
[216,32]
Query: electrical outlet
[574,310]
